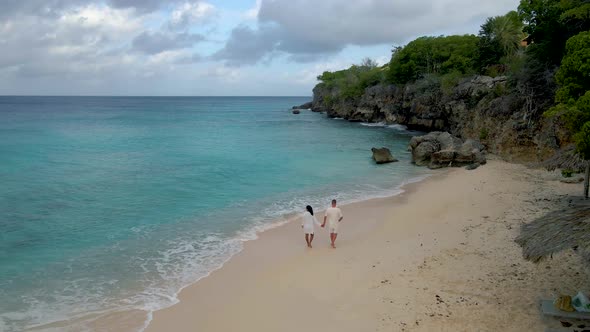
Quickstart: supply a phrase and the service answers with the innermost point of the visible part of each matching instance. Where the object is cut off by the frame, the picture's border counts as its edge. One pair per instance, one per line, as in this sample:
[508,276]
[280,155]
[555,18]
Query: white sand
[440,257]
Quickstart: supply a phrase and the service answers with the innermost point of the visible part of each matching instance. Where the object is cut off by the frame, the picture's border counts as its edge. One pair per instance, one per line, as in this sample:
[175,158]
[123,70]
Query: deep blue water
[116,203]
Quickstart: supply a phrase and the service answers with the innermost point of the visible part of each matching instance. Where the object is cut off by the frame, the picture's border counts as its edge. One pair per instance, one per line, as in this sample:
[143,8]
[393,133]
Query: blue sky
[216,47]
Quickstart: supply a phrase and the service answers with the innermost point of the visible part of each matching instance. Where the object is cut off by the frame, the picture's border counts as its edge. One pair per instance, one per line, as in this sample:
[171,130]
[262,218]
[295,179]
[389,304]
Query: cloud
[143,6]
[85,34]
[308,76]
[222,73]
[252,13]
[189,14]
[55,7]
[248,46]
[63,46]
[61,42]
[306,29]
[157,42]
[37,7]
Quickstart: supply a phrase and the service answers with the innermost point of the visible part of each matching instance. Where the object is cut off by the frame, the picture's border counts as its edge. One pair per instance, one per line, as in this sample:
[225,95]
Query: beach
[440,256]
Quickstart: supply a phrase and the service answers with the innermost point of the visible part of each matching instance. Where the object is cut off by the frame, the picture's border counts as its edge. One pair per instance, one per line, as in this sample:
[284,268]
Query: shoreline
[136,319]
[406,187]
[286,220]
[440,256]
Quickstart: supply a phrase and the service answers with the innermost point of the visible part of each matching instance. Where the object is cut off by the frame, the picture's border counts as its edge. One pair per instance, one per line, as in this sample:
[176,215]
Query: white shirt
[333,215]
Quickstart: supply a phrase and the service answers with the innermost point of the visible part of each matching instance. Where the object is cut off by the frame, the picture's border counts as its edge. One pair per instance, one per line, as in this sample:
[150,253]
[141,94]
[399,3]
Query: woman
[307,223]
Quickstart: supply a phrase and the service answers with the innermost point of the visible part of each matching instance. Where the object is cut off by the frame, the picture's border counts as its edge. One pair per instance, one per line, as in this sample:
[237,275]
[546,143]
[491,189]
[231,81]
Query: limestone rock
[441,149]
[382,156]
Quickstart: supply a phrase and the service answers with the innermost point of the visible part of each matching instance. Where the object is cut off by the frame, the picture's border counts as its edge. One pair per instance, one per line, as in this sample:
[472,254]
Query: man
[333,215]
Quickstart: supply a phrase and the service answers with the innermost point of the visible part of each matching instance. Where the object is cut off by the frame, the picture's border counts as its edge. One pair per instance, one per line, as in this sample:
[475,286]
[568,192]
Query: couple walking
[333,216]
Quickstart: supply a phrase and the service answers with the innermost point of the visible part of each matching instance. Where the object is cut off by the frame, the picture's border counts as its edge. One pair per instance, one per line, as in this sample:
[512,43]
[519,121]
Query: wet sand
[439,257]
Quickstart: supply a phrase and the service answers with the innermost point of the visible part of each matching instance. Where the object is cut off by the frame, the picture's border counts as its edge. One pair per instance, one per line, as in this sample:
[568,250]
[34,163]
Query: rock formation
[305,106]
[441,149]
[480,107]
[382,155]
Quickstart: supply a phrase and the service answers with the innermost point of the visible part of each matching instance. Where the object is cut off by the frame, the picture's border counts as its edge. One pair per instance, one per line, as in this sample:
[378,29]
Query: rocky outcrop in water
[441,149]
[305,106]
[508,123]
[382,156]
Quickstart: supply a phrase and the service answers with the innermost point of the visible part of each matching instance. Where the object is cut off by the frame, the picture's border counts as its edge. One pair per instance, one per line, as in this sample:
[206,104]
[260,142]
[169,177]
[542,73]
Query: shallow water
[116,203]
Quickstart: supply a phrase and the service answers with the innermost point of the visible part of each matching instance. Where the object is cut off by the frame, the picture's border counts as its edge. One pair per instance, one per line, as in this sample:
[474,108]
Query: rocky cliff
[507,123]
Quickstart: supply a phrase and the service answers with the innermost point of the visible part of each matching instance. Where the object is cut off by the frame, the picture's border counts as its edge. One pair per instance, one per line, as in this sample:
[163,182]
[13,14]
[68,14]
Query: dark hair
[333,201]
[309,209]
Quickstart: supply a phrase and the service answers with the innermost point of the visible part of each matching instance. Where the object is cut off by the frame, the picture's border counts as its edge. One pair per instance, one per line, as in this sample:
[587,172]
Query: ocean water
[111,204]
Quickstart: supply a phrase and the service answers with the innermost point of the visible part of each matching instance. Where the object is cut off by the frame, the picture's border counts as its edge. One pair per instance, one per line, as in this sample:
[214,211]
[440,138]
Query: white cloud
[252,13]
[101,17]
[309,75]
[188,14]
[223,73]
[305,29]
[63,46]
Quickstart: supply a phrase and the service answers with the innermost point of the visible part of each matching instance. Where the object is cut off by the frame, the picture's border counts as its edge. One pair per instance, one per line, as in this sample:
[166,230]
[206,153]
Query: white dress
[308,221]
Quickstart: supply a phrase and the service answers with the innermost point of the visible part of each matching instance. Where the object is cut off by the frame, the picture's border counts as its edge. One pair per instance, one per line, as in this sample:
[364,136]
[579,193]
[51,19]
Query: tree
[352,82]
[573,95]
[550,23]
[432,55]
[369,63]
[500,37]
[573,75]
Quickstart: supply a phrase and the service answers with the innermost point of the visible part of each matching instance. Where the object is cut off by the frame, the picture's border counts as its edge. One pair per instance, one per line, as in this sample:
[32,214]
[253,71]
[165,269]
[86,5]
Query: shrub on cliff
[433,55]
[352,82]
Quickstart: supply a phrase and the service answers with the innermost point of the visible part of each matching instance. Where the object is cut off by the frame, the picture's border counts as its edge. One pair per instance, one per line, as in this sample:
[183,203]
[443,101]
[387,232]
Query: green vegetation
[500,41]
[567,173]
[550,23]
[434,56]
[352,82]
[573,95]
[543,48]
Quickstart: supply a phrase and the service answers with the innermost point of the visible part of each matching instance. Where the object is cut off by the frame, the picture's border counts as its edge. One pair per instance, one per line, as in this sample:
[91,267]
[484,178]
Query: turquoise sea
[115,203]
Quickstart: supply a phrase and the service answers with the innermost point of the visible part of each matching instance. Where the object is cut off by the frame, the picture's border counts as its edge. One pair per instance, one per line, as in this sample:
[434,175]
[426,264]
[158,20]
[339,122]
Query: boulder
[382,156]
[471,167]
[422,153]
[443,157]
[296,111]
[441,149]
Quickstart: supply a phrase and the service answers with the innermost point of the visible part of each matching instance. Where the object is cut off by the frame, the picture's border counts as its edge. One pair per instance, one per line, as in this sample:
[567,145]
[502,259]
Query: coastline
[137,319]
[288,229]
[421,260]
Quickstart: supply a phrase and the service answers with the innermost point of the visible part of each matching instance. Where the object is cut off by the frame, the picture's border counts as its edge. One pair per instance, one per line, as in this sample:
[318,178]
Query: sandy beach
[439,257]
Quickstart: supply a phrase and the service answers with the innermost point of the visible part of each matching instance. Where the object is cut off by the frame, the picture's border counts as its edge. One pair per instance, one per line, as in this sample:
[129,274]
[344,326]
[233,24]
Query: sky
[210,48]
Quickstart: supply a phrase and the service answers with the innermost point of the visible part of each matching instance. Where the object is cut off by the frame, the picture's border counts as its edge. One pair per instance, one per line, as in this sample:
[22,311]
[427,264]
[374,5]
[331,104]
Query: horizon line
[153,96]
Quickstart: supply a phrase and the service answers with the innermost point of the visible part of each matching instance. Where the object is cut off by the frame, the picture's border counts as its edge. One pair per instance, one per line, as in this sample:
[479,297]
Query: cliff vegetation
[521,86]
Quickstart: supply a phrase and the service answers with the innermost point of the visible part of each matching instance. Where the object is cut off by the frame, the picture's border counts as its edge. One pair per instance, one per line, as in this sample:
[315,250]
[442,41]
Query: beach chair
[549,309]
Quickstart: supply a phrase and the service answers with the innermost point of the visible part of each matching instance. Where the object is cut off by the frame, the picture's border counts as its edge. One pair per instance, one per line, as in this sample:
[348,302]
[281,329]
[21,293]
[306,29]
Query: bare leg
[333,239]
[307,240]
[310,239]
